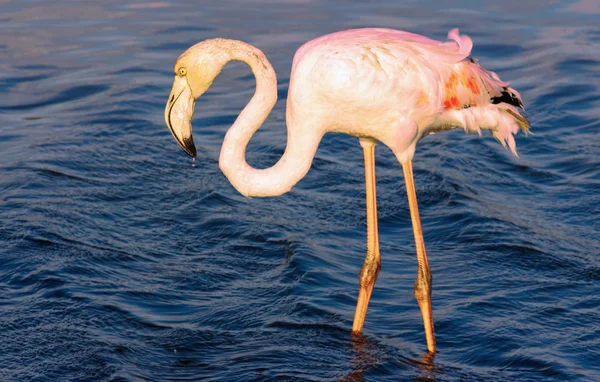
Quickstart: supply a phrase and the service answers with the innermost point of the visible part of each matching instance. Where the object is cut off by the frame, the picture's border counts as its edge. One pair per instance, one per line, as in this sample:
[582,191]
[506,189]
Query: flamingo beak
[178,114]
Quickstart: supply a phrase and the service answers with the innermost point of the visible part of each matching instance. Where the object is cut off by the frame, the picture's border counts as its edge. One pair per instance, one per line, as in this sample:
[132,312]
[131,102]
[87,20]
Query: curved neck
[300,150]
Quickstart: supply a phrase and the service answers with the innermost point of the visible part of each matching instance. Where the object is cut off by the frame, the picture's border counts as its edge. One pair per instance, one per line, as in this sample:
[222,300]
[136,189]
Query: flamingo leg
[372,264]
[423,282]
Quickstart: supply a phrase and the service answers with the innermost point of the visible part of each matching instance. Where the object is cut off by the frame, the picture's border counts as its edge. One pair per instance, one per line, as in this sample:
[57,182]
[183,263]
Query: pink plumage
[380,85]
[388,75]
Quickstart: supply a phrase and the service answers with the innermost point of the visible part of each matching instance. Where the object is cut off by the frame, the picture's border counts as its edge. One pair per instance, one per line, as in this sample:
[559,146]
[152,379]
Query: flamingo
[380,85]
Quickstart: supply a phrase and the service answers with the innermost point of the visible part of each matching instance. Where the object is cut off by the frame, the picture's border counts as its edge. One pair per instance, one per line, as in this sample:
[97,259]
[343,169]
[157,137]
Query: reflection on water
[369,355]
[120,261]
[365,357]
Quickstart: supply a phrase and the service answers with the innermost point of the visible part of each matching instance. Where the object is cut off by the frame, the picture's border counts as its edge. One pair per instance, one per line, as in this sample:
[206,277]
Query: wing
[467,84]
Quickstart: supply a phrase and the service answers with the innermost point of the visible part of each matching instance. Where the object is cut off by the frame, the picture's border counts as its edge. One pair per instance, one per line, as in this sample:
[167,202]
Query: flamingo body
[397,87]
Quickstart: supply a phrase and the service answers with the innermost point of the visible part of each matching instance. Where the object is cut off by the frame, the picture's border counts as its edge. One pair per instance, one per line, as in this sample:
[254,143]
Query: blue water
[121,261]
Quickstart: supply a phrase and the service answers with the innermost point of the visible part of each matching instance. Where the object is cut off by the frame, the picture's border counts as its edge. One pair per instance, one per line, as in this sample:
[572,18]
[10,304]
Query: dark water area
[121,261]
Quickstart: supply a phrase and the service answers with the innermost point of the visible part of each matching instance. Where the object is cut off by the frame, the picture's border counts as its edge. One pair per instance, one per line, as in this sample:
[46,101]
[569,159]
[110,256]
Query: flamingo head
[195,71]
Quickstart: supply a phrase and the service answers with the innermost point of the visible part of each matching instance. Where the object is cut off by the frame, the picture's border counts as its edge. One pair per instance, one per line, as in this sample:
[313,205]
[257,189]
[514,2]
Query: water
[121,261]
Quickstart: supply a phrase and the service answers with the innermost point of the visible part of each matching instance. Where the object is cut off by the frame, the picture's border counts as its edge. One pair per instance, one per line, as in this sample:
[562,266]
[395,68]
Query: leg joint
[369,271]
[423,284]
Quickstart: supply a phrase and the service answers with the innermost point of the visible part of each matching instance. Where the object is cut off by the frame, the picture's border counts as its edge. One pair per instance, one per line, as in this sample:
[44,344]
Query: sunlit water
[119,260]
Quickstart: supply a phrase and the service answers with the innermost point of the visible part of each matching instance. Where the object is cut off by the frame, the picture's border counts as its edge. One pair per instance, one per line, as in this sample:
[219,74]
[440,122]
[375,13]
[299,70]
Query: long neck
[300,150]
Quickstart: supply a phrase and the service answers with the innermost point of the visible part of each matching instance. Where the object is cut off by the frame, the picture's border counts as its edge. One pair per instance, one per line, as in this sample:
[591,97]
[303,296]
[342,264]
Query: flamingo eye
[182,71]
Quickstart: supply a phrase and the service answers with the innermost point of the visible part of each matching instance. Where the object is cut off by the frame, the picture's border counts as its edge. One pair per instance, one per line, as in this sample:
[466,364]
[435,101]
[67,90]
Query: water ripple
[121,261]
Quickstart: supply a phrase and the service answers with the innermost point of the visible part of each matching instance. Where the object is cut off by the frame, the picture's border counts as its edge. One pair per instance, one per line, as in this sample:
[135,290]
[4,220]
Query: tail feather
[507,103]
[510,125]
[476,98]
[503,120]
[509,96]
[521,121]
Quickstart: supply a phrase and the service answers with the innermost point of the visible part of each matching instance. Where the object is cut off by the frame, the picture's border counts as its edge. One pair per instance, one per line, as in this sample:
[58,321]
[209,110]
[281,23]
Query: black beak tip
[189,147]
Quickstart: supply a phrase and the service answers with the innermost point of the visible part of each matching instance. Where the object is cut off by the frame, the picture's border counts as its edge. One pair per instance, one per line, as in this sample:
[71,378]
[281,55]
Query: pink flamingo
[380,85]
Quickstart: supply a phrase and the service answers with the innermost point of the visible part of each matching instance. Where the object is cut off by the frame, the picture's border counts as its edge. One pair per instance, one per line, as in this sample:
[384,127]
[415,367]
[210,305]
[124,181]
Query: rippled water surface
[121,261]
